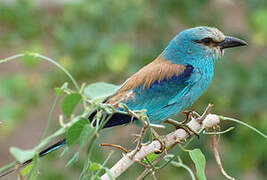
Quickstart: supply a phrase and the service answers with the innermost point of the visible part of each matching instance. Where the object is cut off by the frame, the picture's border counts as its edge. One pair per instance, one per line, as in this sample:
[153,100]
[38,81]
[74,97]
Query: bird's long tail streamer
[50,149]
[115,120]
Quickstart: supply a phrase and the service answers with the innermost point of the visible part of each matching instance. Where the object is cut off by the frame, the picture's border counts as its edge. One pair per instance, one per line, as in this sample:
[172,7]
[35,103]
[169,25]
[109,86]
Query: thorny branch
[144,173]
[207,120]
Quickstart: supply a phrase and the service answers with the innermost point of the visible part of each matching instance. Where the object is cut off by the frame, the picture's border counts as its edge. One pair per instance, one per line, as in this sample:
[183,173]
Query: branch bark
[197,124]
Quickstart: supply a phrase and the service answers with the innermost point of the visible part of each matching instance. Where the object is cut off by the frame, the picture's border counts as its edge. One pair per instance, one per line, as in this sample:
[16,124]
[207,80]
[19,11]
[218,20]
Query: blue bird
[176,78]
[173,81]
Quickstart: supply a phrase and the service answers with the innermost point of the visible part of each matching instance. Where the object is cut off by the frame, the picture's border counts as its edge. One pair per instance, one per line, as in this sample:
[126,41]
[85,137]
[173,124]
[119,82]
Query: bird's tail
[115,120]
[46,151]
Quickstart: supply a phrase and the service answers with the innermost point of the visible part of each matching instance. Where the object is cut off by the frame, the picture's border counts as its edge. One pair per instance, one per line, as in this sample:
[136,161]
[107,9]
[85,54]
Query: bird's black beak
[230,42]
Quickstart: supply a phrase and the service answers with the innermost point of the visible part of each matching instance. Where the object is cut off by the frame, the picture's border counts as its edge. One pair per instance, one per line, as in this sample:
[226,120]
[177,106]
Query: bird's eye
[206,40]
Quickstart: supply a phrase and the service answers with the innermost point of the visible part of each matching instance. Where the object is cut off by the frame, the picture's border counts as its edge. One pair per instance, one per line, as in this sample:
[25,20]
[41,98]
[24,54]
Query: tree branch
[197,124]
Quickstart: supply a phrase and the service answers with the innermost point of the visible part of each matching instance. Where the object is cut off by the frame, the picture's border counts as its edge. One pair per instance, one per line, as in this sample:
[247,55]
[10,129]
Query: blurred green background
[109,40]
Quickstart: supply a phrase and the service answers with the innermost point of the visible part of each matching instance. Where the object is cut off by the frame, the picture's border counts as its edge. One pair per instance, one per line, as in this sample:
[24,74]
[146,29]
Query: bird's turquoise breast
[200,80]
[201,77]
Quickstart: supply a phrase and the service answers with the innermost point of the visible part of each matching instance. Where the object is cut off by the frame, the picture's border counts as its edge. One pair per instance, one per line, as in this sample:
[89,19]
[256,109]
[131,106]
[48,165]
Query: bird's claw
[183,126]
[189,114]
[157,137]
[139,138]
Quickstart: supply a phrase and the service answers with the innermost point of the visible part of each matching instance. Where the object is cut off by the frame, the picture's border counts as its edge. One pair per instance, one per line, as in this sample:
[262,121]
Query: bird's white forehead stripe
[211,32]
[217,34]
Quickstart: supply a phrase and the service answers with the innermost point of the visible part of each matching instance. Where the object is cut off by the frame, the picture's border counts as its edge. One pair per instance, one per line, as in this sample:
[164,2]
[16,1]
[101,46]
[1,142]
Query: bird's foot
[131,113]
[156,136]
[189,114]
[183,126]
[139,139]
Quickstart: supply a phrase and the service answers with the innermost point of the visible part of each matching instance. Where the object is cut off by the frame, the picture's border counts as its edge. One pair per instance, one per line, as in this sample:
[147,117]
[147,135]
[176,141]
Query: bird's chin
[217,52]
[221,52]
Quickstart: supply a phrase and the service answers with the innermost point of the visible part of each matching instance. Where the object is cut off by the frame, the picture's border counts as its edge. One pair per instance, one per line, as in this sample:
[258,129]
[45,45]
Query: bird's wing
[153,86]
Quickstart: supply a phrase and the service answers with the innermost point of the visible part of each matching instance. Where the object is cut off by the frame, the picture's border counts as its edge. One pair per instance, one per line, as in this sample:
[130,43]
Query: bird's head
[200,43]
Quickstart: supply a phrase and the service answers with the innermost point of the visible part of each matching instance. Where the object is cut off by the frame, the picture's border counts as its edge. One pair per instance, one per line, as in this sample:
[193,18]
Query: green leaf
[65,151]
[74,132]
[31,171]
[34,170]
[21,155]
[100,90]
[97,178]
[59,91]
[26,170]
[73,159]
[151,157]
[94,167]
[86,134]
[69,103]
[200,162]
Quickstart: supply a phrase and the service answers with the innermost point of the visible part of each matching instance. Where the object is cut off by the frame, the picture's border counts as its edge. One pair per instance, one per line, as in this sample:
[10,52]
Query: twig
[139,140]
[44,58]
[115,146]
[181,164]
[177,136]
[206,113]
[143,164]
[21,177]
[217,157]
[153,175]
[245,124]
[220,132]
